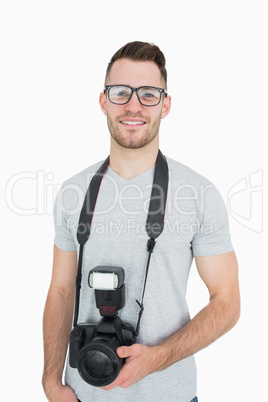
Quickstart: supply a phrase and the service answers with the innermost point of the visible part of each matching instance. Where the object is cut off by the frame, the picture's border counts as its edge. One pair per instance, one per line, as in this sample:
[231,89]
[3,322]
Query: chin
[133,143]
[131,138]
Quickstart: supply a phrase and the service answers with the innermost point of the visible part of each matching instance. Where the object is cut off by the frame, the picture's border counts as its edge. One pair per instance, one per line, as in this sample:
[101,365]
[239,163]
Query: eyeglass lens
[148,96]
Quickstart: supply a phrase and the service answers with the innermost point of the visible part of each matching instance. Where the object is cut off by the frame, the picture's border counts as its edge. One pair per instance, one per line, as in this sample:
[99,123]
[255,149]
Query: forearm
[57,326]
[208,325]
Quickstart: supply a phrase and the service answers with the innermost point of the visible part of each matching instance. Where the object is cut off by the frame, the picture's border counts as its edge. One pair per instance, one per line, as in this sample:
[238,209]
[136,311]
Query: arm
[57,324]
[220,274]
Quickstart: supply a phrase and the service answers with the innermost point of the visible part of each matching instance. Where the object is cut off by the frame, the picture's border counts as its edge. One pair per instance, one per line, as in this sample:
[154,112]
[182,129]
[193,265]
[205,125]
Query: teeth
[132,123]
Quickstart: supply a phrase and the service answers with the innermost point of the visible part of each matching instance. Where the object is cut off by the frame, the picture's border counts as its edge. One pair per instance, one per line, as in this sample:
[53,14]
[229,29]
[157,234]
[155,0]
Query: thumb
[123,351]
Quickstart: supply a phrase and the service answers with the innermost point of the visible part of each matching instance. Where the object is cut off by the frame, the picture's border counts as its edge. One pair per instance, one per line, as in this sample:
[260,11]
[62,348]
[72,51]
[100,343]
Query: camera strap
[154,223]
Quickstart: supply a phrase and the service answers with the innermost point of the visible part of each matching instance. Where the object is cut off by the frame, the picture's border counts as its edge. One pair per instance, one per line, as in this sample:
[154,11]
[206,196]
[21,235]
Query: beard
[127,137]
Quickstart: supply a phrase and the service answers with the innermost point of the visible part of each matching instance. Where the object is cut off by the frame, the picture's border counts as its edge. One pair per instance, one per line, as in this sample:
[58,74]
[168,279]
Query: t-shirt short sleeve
[212,236]
[64,235]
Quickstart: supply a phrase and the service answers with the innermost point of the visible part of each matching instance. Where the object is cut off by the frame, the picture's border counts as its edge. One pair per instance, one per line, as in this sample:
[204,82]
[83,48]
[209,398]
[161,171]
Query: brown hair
[140,51]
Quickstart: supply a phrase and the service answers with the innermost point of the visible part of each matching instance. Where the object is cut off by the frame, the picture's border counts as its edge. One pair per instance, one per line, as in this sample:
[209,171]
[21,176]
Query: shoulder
[188,185]
[83,178]
[73,190]
[184,174]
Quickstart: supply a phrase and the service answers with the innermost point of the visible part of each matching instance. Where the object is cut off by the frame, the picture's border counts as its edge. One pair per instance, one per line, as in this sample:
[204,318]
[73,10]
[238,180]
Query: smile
[132,123]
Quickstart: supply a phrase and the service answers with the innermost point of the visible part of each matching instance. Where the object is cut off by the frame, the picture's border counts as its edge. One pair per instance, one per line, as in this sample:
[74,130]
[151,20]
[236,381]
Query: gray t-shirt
[196,224]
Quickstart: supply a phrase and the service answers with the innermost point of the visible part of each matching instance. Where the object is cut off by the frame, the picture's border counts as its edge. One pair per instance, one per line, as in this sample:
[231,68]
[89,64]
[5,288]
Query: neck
[129,163]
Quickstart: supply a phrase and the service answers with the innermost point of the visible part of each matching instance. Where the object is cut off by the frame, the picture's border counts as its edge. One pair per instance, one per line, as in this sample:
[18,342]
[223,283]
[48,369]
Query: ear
[166,107]
[102,102]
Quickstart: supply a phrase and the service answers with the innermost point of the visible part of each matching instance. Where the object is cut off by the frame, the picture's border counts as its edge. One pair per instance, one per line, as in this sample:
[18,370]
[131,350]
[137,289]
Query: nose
[134,104]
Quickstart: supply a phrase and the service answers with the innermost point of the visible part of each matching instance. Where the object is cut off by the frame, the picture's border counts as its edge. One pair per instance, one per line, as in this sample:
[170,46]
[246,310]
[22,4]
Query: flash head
[106,277]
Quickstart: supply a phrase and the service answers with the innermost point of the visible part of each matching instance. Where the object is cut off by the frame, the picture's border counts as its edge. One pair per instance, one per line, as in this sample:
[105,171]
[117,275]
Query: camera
[93,345]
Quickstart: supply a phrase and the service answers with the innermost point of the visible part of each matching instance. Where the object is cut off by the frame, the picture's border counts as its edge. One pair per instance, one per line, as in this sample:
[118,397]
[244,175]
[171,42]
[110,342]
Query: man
[160,366]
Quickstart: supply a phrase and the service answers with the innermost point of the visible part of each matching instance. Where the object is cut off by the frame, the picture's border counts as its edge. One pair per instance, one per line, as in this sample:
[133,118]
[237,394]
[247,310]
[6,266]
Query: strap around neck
[157,207]
[156,213]
[87,211]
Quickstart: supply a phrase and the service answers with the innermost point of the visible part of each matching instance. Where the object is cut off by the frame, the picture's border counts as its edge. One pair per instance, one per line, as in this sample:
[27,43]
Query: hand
[62,393]
[140,361]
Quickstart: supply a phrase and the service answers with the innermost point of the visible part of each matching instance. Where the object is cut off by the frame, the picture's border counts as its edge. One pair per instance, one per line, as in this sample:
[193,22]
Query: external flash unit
[106,277]
[108,282]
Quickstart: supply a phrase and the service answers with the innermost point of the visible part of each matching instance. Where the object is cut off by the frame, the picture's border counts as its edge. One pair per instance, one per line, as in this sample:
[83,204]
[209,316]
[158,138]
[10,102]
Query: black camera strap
[154,223]
[155,217]
[84,226]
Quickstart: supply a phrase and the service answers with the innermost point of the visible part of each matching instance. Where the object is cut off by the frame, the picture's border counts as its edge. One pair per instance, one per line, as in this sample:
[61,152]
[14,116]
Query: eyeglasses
[147,96]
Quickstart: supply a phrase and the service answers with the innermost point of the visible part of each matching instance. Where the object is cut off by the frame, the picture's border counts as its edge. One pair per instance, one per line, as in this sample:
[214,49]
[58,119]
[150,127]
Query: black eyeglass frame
[108,87]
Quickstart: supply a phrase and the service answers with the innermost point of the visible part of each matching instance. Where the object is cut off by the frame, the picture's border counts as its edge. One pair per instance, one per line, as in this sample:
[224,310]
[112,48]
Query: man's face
[120,118]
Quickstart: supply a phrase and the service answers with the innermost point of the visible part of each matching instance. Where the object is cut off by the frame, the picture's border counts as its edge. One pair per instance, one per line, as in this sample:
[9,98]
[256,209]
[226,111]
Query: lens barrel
[98,363]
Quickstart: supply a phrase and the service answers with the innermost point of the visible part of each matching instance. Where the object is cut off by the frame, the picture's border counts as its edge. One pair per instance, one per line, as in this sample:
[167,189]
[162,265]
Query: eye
[121,93]
[149,95]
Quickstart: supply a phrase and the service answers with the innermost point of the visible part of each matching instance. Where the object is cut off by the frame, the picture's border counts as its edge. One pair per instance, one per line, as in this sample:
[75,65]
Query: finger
[124,351]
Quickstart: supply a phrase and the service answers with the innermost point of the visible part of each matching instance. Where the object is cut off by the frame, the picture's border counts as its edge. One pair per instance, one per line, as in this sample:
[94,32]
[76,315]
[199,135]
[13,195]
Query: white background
[53,60]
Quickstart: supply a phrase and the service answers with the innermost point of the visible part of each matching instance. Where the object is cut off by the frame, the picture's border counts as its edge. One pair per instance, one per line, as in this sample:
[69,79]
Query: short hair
[140,51]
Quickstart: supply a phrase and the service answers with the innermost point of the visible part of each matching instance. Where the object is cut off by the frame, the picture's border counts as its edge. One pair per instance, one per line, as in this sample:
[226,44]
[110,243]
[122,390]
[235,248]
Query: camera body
[93,345]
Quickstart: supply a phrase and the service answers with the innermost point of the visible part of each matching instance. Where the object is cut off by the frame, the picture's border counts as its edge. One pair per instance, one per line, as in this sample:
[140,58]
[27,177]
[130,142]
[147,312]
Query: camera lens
[98,363]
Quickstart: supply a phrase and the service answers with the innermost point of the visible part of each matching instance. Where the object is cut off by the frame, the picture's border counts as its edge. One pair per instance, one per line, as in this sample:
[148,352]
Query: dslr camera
[93,345]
